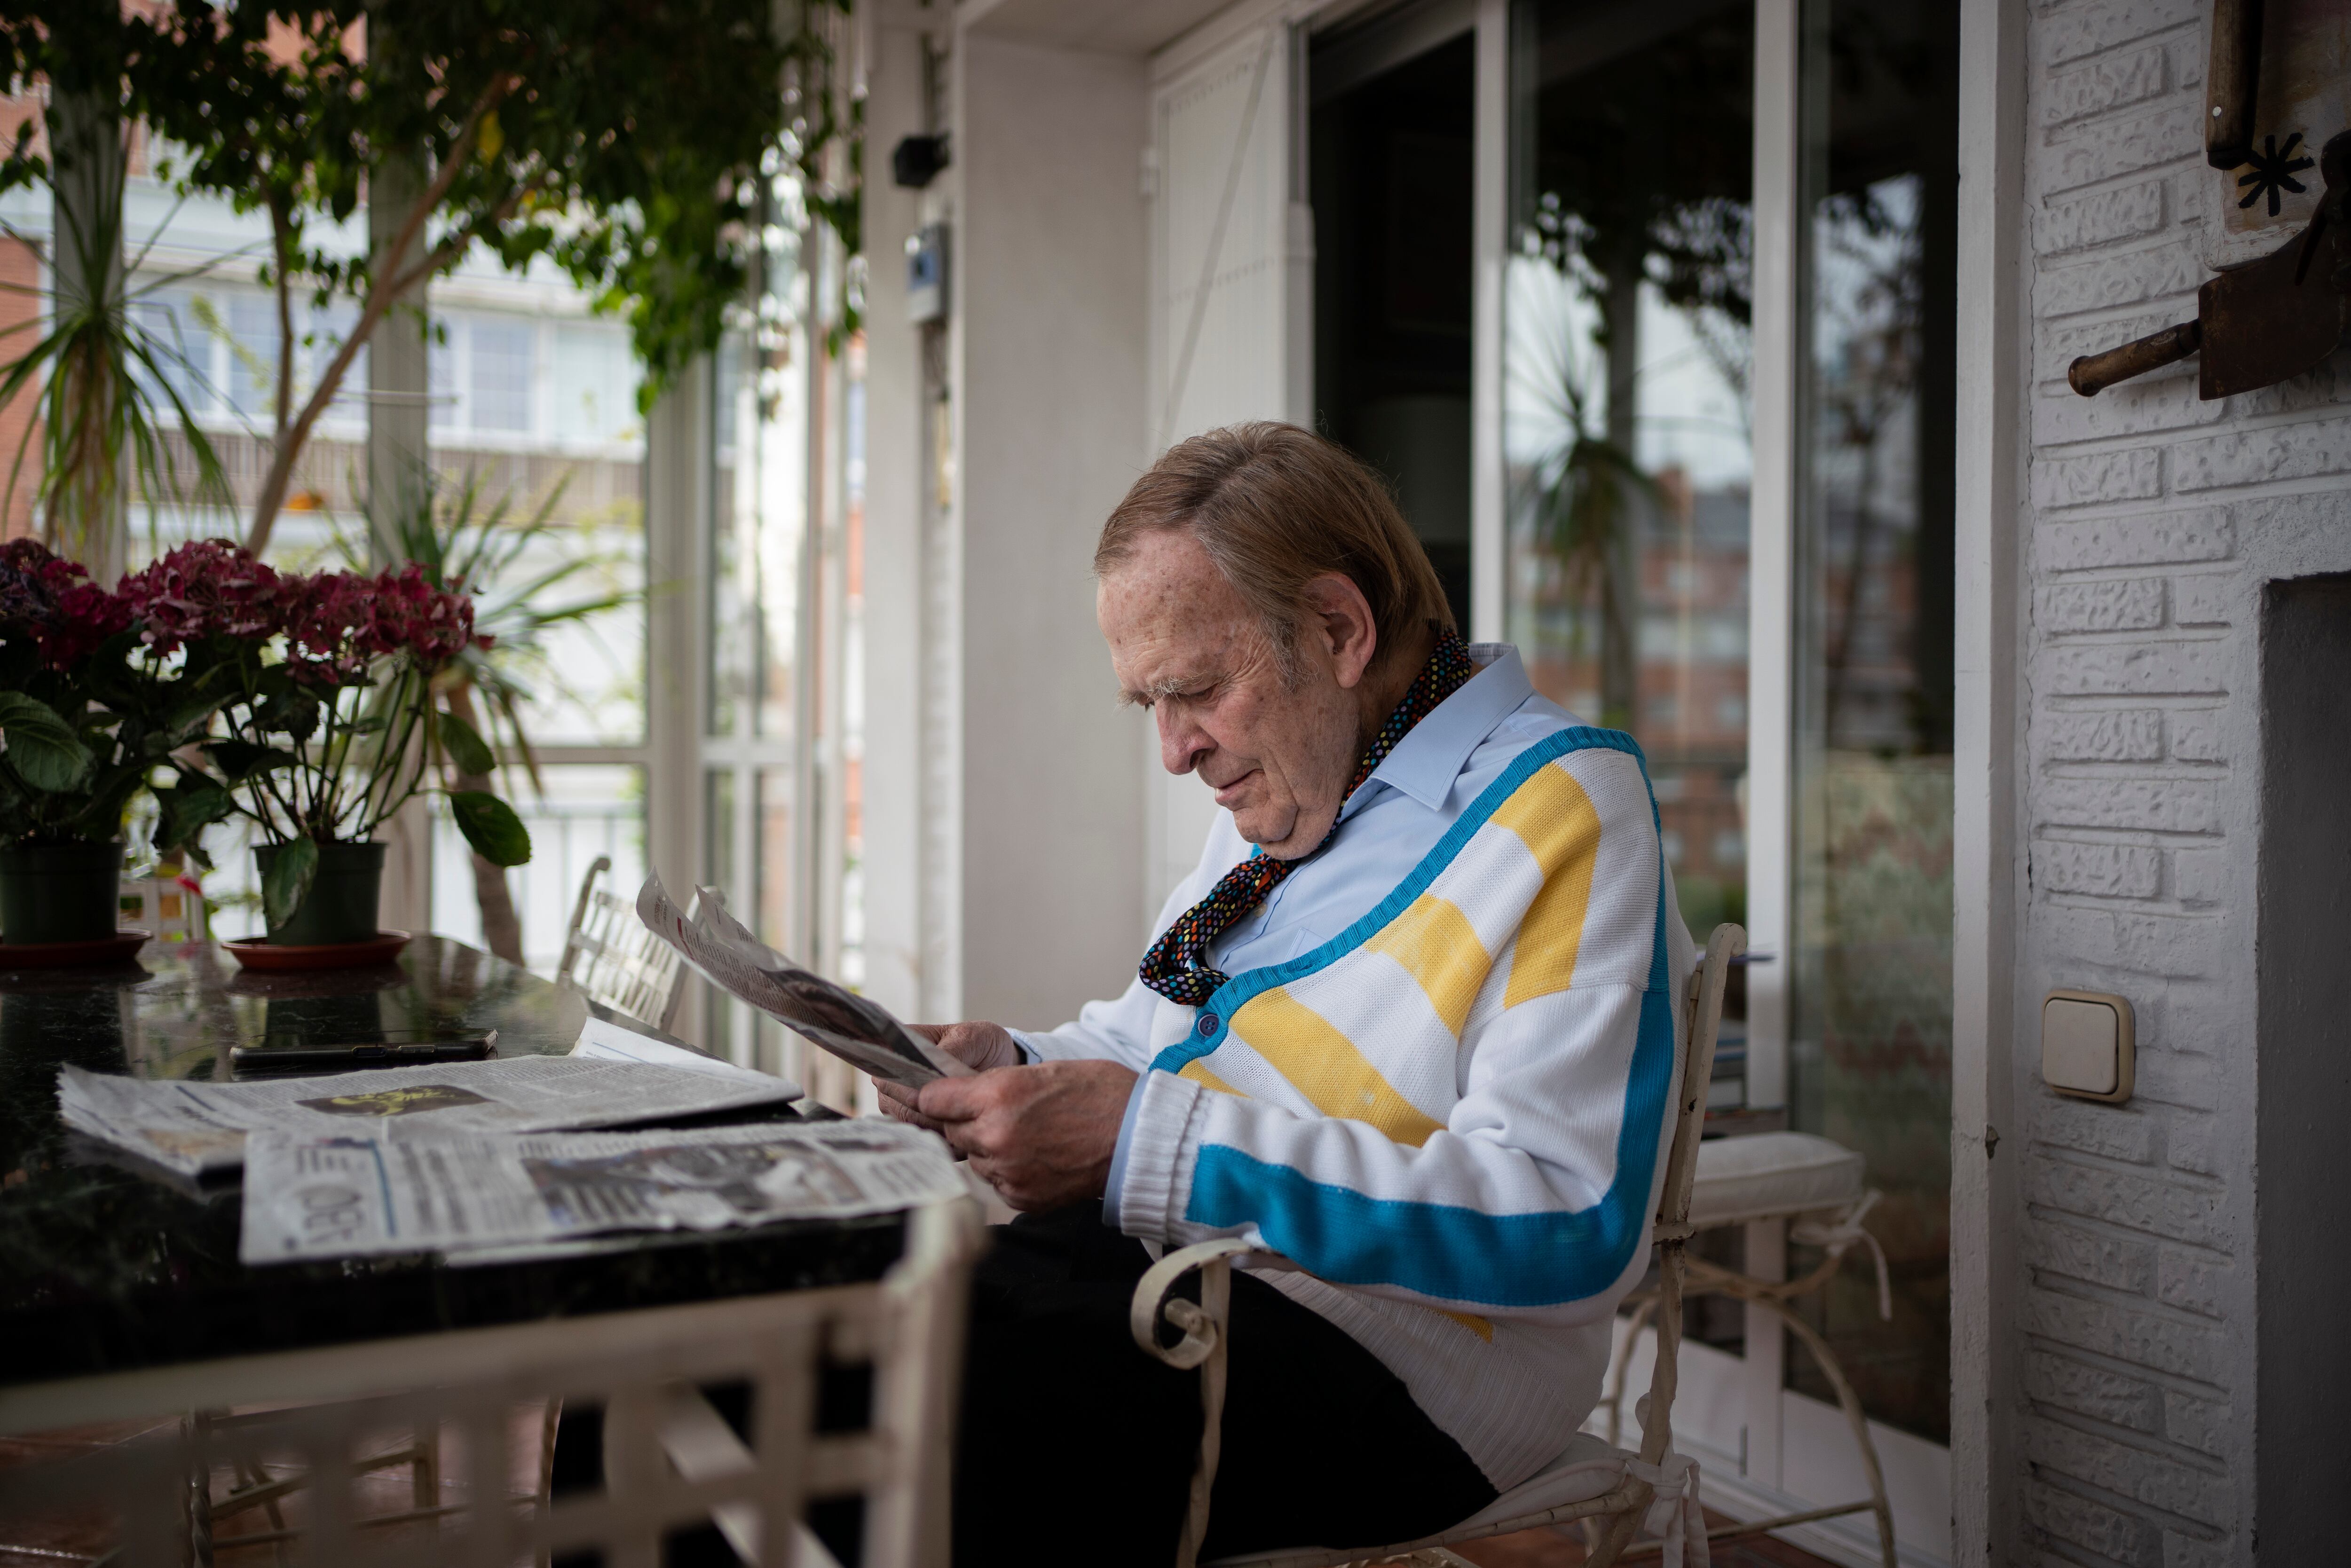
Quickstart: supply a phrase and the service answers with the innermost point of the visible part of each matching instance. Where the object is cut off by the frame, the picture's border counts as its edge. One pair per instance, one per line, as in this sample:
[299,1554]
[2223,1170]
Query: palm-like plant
[521,595]
[105,395]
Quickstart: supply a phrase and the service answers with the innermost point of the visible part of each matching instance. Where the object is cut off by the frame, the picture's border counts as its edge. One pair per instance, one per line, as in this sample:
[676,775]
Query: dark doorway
[2302,1064]
[1390,143]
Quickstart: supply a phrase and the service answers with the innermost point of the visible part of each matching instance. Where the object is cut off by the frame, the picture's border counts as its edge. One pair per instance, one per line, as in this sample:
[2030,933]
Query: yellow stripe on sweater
[1325,1067]
[1561,830]
[1438,946]
[1206,1078]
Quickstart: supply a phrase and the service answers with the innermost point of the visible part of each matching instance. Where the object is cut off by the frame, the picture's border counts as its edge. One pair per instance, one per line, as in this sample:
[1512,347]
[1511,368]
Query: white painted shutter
[1232,278]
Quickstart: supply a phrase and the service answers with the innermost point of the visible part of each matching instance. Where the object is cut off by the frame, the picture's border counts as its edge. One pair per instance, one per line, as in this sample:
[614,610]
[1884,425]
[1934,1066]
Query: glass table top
[104,1266]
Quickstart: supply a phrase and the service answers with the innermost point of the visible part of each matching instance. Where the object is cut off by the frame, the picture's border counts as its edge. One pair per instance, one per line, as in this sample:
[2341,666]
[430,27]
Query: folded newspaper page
[844,1023]
[603,1041]
[309,1196]
[192,1128]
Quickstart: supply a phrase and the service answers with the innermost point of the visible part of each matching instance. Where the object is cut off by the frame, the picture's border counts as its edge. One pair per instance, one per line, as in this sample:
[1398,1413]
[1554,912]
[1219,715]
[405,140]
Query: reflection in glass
[1870,1031]
[1627,368]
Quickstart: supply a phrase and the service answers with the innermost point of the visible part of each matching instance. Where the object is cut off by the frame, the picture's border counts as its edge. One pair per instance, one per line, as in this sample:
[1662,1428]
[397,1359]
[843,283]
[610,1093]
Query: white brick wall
[2154,519]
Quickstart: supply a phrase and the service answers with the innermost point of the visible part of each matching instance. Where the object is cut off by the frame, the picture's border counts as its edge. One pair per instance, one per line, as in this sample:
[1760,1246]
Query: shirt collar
[1424,763]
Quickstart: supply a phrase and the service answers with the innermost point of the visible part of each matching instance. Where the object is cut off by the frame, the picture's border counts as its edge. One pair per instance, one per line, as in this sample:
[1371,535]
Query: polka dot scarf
[1177,966]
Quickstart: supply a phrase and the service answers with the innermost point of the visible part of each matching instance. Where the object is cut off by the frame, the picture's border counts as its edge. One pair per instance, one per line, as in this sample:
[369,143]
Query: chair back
[1673,1227]
[610,954]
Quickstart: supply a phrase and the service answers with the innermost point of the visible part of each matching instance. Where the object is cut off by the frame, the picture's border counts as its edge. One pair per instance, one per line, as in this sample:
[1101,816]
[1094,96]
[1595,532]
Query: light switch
[2087,1045]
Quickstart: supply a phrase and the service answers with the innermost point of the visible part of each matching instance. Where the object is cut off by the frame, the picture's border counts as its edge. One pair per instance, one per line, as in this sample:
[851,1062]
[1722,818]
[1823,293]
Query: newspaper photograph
[191,1128]
[361,1194]
[859,1032]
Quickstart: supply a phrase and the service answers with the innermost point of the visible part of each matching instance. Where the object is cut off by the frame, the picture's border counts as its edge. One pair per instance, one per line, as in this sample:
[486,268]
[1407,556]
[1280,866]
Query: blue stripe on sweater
[1240,987]
[1447,1252]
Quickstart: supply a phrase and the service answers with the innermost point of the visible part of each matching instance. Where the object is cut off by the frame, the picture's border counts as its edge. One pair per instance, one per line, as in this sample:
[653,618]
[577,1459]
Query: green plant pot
[341,904]
[60,893]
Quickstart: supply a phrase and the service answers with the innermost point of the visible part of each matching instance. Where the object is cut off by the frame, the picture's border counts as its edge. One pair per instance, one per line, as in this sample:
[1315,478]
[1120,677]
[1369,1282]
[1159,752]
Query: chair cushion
[1584,1470]
[1765,1175]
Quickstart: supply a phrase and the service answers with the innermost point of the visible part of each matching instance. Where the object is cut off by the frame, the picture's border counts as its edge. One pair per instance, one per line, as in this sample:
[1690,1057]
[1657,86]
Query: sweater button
[1208,1025]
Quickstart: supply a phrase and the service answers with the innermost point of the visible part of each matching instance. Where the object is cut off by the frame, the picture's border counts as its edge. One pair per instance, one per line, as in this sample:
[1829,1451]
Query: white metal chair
[1589,1481]
[609,954]
[1817,1186]
[670,1459]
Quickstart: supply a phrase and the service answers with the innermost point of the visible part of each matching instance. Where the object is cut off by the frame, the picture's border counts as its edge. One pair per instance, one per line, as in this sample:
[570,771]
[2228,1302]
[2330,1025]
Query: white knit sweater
[1451,1117]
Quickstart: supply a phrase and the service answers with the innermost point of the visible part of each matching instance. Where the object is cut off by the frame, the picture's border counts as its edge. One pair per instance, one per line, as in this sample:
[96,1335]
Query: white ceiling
[1105,26]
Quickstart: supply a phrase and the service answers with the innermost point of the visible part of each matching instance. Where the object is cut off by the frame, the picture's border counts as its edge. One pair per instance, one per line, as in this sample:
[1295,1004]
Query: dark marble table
[105,1267]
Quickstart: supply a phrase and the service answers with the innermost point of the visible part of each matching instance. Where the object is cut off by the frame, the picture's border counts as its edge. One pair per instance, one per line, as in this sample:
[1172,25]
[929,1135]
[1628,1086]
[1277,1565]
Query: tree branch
[385,288]
[281,238]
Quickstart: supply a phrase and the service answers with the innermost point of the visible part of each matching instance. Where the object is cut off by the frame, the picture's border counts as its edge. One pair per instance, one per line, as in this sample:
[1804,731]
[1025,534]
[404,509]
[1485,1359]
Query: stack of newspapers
[520,1157]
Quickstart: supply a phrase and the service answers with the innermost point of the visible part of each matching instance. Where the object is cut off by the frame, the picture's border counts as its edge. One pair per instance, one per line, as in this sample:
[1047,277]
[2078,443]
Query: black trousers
[1076,1447]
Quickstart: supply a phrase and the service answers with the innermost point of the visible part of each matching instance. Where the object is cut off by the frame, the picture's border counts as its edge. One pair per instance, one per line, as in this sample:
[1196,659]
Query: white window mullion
[1770,708]
[1489,252]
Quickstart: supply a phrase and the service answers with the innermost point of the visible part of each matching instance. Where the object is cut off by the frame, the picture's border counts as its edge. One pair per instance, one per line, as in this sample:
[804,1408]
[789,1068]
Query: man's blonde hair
[1276,507]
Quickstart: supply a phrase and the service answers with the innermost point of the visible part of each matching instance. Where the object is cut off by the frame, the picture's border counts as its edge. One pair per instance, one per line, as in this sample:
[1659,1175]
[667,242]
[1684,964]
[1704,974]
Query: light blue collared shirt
[1387,828]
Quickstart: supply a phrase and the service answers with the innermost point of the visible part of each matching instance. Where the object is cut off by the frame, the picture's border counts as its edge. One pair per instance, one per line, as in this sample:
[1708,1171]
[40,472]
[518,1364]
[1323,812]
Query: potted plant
[63,785]
[326,720]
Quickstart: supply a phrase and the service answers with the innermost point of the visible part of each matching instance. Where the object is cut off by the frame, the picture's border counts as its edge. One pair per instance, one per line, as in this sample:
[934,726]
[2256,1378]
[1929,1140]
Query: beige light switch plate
[2087,1045]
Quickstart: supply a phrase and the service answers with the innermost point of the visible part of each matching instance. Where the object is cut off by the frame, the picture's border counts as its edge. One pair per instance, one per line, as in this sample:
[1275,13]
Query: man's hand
[1042,1135]
[978,1046]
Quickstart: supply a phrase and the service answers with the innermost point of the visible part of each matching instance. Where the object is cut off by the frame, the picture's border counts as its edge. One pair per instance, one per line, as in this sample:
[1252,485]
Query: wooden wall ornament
[2257,324]
[2291,62]
[2277,83]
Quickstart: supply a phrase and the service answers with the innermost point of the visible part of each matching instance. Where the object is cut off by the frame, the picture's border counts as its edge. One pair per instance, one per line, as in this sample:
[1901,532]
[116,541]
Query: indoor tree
[628,143]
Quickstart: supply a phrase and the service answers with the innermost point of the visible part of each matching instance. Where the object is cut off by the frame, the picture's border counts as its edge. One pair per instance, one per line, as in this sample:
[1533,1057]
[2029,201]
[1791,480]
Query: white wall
[2152,521]
[891,780]
[1050,325]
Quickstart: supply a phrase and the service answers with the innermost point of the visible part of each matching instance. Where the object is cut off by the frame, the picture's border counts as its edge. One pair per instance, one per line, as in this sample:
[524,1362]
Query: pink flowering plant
[83,721]
[325,696]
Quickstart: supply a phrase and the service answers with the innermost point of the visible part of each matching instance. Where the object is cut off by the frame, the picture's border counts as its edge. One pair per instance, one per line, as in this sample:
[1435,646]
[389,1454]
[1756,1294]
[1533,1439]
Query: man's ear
[1337,612]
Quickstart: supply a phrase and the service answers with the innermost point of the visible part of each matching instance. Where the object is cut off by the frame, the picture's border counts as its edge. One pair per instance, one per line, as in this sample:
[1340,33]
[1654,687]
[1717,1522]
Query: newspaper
[844,1023]
[364,1193]
[603,1041]
[192,1128]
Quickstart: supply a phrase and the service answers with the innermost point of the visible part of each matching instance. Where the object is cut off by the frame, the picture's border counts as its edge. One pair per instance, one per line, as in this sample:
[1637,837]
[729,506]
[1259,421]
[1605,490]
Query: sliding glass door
[1869,1035]
[1726,352]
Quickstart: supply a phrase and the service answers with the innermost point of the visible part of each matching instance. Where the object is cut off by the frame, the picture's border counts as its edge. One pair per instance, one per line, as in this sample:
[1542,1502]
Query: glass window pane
[594,385]
[728,1029]
[499,379]
[177,343]
[779,1051]
[1870,1031]
[252,322]
[441,351]
[586,810]
[1625,369]
[330,325]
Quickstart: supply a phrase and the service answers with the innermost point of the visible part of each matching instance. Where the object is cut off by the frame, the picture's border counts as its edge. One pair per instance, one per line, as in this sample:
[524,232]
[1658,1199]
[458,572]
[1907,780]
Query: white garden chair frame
[1624,1505]
[670,1460]
[609,954]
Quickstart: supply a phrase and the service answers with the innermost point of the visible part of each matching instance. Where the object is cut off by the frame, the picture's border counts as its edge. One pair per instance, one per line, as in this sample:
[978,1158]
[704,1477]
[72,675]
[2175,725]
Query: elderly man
[1410,1023]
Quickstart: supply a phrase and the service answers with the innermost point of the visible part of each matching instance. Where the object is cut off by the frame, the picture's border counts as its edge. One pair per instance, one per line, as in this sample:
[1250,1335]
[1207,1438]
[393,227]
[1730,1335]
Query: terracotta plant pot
[341,904]
[60,893]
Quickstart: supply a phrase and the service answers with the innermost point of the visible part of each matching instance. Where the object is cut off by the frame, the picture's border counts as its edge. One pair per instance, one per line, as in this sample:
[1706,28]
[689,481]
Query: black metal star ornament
[2273,170]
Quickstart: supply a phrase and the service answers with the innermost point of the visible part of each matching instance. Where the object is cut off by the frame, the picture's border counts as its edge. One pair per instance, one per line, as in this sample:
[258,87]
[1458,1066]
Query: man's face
[1185,645]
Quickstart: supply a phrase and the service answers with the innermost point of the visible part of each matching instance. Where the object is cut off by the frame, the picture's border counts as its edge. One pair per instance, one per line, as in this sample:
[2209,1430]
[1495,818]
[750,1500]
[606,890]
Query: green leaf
[288,881]
[240,759]
[293,713]
[491,826]
[42,746]
[468,753]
